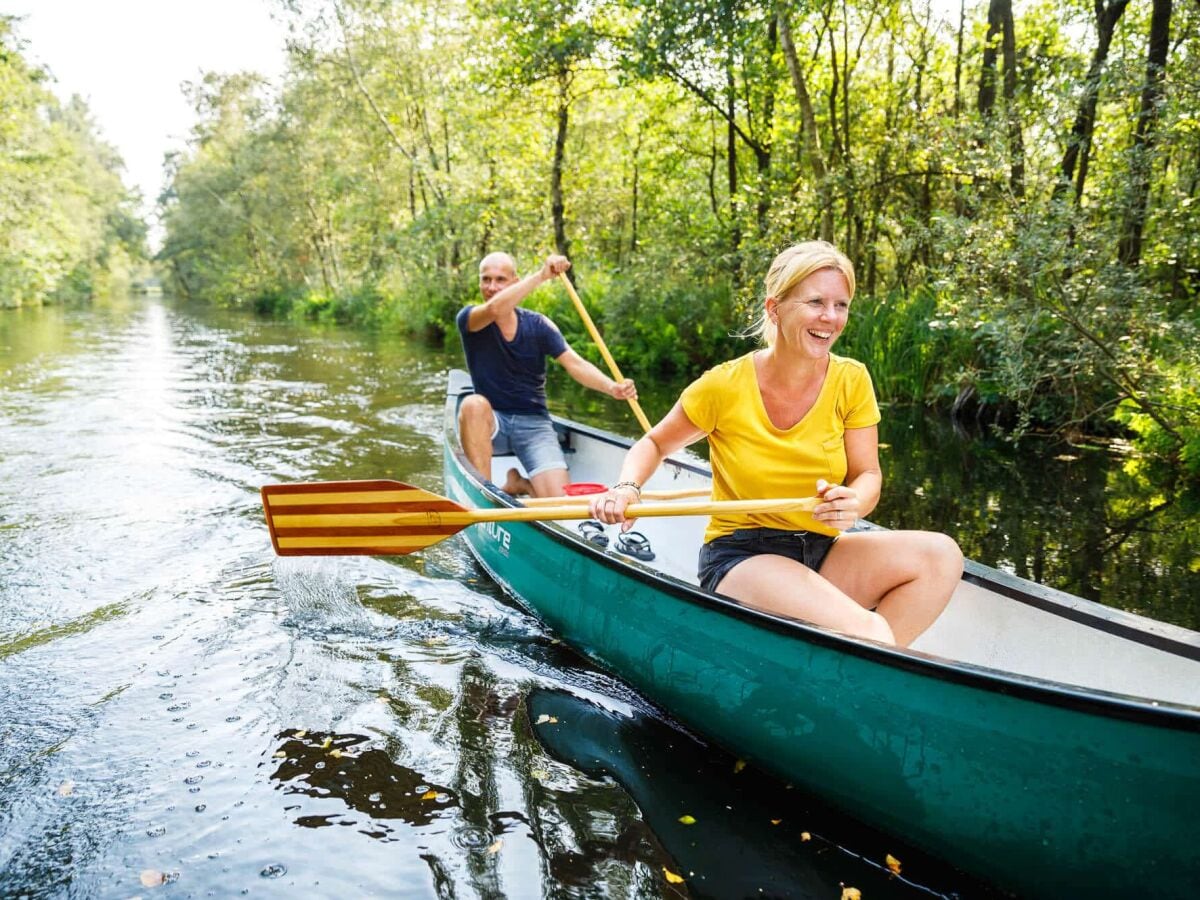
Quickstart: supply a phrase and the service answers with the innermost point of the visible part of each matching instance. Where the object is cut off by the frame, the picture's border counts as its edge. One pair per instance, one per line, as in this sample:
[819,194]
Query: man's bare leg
[551,483]
[475,425]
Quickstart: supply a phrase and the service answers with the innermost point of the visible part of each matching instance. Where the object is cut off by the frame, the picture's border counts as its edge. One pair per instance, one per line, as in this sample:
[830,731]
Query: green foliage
[68,229]
[673,321]
[677,146]
[914,354]
[1167,452]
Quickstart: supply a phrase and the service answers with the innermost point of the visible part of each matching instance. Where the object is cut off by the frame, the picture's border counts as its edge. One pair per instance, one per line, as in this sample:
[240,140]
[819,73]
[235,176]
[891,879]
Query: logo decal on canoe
[498,534]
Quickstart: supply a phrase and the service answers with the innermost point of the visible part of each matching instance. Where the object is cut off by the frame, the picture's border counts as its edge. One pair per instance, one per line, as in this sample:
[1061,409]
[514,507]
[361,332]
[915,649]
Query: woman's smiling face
[813,314]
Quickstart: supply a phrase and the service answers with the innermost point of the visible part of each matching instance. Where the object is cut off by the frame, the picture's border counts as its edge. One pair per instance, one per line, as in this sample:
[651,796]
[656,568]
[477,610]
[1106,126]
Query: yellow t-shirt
[751,458]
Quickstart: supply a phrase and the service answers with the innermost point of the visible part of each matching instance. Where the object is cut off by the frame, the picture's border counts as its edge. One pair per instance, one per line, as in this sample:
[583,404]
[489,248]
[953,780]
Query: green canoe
[1038,740]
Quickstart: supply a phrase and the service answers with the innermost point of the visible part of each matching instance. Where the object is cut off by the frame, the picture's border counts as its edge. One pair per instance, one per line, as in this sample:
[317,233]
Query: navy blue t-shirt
[511,374]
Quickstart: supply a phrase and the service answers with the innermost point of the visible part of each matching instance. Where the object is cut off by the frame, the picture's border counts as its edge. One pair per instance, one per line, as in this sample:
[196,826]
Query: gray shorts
[721,554]
[531,438]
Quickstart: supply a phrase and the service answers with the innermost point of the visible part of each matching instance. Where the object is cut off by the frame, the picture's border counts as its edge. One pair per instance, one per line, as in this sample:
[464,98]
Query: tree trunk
[986,104]
[1016,143]
[561,244]
[958,57]
[633,229]
[960,206]
[762,152]
[735,228]
[180,278]
[712,170]
[1079,142]
[1129,250]
[808,124]
[489,211]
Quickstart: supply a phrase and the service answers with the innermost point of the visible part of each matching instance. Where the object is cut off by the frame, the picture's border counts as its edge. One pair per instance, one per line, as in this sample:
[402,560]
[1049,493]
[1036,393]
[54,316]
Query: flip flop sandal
[634,543]
[593,531]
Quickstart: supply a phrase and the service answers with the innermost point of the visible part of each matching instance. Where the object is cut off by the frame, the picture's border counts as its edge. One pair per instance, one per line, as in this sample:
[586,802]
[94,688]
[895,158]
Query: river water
[183,714]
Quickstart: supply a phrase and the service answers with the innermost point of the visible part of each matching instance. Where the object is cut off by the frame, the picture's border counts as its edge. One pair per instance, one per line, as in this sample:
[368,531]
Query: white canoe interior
[1058,638]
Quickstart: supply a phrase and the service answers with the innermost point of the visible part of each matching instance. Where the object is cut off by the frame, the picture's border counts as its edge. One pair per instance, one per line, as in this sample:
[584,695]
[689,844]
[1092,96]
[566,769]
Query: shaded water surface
[182,714]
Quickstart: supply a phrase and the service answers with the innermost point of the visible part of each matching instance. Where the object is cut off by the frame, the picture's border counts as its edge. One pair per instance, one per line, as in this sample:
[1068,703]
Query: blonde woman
[788,420]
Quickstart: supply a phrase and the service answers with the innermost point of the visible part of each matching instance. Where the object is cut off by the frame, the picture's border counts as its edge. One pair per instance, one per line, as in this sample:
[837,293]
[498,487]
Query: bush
[914,352]
[1167,447]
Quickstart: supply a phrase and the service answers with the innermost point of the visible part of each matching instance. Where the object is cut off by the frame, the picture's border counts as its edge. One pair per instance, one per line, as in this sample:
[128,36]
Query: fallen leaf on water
[279,754]
[495,848]
[672,877]
[739,765]
[805,836]
[429,795]
[152,878]
[327,743]
[66,789]
[851,893]
[893,864]
[301,733]
[381,700]
[543,719]
[687,820]
[335,753]
[539,774]
[776,821]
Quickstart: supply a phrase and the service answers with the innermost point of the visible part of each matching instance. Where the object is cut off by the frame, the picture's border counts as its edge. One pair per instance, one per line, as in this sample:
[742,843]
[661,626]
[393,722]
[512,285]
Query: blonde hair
[790,268]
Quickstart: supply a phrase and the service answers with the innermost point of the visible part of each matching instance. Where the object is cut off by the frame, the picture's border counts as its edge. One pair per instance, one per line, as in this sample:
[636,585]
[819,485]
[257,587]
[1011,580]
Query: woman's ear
[772,308]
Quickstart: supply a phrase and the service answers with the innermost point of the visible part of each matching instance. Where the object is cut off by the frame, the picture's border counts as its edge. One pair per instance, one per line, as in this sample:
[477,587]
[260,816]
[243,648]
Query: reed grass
[914,354]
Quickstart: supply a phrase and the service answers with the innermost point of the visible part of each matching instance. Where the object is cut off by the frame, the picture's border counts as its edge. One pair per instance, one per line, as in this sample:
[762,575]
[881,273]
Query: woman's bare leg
[779,585]
[905,576]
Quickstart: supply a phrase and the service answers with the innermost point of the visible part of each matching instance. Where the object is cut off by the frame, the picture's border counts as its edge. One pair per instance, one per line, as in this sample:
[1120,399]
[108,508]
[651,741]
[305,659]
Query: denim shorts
[721,554]
[531,438]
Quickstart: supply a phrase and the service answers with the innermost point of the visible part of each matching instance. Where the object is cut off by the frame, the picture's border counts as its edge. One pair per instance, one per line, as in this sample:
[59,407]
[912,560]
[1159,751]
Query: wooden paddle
[612,363]
[390,518]
[679,494]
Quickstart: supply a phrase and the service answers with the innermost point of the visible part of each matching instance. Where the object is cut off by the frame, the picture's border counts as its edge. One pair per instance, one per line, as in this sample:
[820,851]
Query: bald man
[506,349]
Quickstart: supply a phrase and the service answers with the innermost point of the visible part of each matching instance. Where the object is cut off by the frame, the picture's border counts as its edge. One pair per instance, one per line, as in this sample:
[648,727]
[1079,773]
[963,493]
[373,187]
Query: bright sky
[127,58]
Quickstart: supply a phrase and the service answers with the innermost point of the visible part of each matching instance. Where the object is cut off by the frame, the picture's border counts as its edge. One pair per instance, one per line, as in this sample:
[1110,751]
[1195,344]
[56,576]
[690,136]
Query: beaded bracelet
[629,484]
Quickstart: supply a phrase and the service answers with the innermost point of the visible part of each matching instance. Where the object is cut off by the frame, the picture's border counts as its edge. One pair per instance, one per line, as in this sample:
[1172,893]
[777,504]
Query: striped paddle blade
[379,518]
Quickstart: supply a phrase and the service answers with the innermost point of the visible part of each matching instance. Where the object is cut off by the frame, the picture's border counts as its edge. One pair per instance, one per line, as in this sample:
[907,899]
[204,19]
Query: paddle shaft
[461,518]
[612,363]
[679,494]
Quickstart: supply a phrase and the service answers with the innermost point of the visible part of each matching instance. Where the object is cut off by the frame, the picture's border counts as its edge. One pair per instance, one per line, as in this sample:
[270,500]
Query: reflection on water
[343,767]
[774,841]
[177,703]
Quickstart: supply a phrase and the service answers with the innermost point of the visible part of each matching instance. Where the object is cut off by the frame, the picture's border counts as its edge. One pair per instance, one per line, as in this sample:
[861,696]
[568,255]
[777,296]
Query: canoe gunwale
[1162,714]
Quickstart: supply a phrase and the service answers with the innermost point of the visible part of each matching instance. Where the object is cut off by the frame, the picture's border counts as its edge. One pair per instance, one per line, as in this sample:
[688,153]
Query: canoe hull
[1036,792]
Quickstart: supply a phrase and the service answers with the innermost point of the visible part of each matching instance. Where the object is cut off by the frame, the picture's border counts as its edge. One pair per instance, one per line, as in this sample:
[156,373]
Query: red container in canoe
[580,488]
